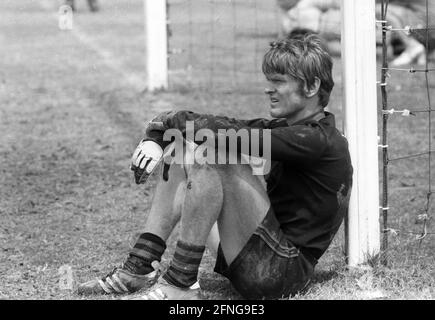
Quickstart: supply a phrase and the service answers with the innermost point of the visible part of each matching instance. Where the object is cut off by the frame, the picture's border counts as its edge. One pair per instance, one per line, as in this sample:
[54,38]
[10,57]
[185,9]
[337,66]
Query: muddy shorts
[269,266]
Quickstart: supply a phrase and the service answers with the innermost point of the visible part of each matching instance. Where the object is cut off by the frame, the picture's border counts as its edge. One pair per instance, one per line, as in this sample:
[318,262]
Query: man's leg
[230,195]
[245,207]
[71,4]
[93,5]
[255,254]
[164,215]
[167,202]
[201,208]
[138,270]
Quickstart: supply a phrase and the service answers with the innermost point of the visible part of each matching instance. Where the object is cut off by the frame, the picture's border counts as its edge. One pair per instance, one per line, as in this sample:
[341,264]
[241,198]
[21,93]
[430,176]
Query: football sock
[183,269]
[148,248]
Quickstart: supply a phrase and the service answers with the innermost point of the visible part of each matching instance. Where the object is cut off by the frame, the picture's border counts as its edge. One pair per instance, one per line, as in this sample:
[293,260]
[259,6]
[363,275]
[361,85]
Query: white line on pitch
[107,57]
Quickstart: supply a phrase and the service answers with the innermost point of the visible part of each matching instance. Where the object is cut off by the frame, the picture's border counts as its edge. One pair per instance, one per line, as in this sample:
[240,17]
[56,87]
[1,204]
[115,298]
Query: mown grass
[70,118]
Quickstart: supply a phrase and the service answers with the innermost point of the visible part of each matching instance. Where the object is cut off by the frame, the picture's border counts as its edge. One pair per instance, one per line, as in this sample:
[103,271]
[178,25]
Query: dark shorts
[269,266]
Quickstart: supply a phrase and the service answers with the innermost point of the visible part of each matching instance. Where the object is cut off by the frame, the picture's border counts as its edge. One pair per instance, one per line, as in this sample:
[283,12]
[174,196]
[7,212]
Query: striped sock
[183,270]
[148,248]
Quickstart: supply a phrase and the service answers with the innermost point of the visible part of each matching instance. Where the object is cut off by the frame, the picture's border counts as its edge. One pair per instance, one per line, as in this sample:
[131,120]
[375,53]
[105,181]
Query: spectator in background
[93,5]
[324,17]
[287,24]
[410,47]
[270,230]
[320,16]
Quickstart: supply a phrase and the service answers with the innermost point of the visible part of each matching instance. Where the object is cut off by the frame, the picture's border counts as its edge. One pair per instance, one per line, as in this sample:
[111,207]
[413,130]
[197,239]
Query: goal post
[361,128]
[156,44]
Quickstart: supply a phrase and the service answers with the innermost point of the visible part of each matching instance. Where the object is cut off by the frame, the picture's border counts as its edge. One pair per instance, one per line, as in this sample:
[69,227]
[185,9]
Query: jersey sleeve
[179,119]
[300,143]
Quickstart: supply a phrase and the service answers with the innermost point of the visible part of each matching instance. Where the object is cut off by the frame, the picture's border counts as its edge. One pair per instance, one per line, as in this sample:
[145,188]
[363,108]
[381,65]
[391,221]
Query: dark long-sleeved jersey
[311,176]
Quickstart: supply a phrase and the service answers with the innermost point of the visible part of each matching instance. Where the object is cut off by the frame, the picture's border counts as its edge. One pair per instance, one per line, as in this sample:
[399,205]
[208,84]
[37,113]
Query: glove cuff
[157,137]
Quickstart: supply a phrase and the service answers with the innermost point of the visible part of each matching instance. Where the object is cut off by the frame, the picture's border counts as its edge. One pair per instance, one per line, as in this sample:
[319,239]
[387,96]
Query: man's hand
[145,159]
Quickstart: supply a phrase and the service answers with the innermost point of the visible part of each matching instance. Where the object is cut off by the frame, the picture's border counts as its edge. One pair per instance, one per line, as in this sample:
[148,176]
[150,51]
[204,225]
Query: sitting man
[268,233]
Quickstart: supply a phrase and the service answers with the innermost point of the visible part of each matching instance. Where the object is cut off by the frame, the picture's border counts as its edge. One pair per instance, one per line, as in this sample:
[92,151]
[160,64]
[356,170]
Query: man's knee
[196,167]
[204,173]
[204,181]
[221,172]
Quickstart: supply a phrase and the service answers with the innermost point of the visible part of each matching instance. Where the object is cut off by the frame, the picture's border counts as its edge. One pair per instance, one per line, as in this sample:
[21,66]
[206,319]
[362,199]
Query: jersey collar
[314,117]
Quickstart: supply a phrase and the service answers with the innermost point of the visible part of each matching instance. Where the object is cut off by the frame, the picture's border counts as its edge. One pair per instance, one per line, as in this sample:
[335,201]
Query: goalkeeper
[267,232]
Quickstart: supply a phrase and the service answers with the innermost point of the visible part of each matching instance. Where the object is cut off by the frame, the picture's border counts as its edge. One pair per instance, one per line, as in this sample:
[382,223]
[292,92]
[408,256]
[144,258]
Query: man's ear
[311,92]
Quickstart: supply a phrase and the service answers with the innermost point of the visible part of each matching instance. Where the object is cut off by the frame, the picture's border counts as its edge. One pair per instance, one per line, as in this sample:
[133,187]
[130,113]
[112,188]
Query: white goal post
[156,44]
[361,128]
[359,105]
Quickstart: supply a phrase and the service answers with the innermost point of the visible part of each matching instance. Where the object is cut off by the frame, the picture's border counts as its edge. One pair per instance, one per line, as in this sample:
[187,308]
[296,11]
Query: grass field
[72,109]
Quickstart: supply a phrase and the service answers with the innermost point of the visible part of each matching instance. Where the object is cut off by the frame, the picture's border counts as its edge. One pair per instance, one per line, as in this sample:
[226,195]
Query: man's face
[286,98]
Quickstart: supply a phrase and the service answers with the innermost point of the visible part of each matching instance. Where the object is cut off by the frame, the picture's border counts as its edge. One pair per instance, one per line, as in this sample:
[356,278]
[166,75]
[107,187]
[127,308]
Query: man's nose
[268,90]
